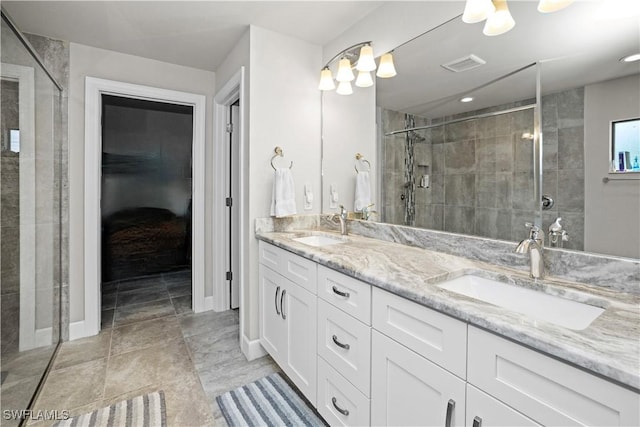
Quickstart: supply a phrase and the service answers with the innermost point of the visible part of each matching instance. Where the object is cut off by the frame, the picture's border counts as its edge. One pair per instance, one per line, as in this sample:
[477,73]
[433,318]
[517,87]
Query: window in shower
[146,187]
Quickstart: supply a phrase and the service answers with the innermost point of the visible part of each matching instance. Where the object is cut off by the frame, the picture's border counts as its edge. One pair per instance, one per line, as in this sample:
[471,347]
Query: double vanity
[375,332]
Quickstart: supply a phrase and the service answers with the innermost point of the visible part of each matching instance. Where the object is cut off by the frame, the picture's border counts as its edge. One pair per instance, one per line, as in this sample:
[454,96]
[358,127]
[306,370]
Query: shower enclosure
[30,241]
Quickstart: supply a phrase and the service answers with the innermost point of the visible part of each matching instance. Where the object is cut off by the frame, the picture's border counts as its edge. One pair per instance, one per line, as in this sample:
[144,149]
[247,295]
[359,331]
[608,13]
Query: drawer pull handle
[277,292]
[284,316]
[339,344]
[339,292]
[477,421]
[451,405]
[344,412]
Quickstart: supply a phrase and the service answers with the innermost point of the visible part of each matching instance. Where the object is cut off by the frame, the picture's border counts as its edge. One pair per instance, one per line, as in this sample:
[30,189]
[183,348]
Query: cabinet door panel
[348,294]
[409,390]
[299,308]
[273,328]
[490,412]
[301,271]
[350,407]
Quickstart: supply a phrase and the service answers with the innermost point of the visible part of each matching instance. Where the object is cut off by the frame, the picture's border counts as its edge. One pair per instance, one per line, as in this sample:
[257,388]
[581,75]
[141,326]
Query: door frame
[94,89]
[233,90]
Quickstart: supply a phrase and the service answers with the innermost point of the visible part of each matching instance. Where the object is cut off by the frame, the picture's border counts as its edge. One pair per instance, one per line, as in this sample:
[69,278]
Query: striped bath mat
[143,411]
[270,401]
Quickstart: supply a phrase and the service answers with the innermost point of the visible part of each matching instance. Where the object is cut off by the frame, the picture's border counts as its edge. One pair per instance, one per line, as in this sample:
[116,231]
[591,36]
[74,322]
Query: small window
[14,139]
[625,145]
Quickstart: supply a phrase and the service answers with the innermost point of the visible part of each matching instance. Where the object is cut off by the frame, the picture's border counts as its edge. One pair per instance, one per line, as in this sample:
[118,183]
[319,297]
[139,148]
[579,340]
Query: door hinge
[228,201]
[229,127]
[229,275]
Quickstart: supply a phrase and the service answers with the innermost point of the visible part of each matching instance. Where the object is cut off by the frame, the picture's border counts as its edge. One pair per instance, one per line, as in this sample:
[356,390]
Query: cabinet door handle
[276,300]
[451,405]
[344,412]
[284,316]
[339,344]
[477,421]
[339,292]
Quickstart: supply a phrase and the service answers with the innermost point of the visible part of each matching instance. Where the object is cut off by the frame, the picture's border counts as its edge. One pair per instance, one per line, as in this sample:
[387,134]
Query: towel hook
[361,158]
[278,151]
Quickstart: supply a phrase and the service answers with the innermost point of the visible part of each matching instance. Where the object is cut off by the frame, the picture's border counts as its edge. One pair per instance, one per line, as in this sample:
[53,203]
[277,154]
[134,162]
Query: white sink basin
[535,304]
[319,240]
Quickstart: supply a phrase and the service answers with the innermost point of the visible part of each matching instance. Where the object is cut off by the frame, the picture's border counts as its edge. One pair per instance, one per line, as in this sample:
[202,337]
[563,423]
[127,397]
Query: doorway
[233,150]
[146,204]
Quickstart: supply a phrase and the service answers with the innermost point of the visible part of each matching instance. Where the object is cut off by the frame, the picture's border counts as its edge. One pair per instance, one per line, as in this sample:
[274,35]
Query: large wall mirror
[477,167]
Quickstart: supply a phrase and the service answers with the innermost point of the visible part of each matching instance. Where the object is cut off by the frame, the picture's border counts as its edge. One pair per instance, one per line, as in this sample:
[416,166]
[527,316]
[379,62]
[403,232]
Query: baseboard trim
[208,303]
[252,349]
[43,337]
[77,330]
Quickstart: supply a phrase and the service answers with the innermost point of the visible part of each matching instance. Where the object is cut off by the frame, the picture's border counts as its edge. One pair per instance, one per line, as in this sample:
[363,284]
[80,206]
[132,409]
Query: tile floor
[151,340]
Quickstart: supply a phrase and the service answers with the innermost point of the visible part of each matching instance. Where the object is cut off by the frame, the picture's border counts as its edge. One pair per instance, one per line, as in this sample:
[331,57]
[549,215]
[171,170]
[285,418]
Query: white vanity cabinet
[288,315]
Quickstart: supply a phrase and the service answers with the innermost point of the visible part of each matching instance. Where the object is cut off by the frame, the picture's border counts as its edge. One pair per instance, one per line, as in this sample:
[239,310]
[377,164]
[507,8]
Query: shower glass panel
[30,188]
[465,168]
[146,187]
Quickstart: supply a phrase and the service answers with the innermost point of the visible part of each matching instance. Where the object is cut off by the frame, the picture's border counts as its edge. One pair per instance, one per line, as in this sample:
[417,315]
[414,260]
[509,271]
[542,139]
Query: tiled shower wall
[480,171]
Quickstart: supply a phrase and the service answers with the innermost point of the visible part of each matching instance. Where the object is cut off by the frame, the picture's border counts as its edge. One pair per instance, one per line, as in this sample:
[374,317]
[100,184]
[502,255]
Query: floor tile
[211,349]
[208,321]
[106,318]
[142,283]
[178,290]
[26,364]
[144,334]
[73,387]
[140,312]
[108,301]
[186,402]
[83,350]
[141,296]
[182,305]
[16,396]
[146,367]
[232,374]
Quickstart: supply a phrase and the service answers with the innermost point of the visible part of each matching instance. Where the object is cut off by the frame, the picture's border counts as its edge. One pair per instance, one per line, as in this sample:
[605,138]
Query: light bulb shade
[500,21]
[548,6]
[364,79]
[345,74]
[365,60]
[344,88]
[386,68]
[477,10]
[326,80]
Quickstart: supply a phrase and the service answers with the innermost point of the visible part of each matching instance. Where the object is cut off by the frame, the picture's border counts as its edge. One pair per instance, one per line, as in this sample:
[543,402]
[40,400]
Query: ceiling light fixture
[631,58]
[467,99]
[361,55]
[496,12]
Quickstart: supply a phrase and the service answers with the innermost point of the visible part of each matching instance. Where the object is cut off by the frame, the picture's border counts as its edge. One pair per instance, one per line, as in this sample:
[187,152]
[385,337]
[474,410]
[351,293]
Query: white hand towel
[363,191]
[283,200]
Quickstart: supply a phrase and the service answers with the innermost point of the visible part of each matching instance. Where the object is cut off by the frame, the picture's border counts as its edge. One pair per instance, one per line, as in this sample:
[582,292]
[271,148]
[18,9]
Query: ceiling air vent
[464,64]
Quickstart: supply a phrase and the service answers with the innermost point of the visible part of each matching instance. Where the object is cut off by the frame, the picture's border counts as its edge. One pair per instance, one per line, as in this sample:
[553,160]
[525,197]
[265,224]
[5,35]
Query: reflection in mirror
[584,86]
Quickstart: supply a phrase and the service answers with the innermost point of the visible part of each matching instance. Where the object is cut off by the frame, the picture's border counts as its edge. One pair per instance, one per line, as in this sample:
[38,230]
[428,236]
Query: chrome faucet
[366,211]
[534,247]
[343,220]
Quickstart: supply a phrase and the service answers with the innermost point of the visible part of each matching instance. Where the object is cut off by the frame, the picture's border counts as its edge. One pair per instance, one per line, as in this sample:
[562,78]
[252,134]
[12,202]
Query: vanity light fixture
[361,55]
[467,99]
[631,58]
[496,12]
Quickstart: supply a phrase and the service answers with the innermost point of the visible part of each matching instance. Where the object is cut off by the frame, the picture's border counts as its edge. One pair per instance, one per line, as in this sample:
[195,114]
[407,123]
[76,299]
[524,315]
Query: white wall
[612,210]
[284,111]
[88,61]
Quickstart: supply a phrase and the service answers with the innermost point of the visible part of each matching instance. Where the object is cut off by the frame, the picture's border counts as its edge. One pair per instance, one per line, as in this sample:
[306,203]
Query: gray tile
[522,197]
[486,155]
[141,296]
[142,283]
[178,290]
[459,219]
[106,319]
[140,312]
[571,148]
[504,182]
[570,108]
[108,301]
[486,190]
[182,305]
[521,122]
[460,157]
[16,396]
[486,127]
[504,154]
[75,352]
[570,190]
[206,322]
[212,348]
[234,373]
[438,153]
[573,223]
[523,154]
[460,131]
[459,190]
[144,334]
[493,223]
[549,112]
[550,150]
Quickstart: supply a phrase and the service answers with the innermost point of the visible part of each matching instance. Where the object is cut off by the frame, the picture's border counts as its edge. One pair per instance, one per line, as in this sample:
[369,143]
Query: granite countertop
[609,347]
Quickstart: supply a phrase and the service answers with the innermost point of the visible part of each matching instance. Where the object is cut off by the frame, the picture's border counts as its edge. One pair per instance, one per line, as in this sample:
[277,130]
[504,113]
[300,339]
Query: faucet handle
[533,230]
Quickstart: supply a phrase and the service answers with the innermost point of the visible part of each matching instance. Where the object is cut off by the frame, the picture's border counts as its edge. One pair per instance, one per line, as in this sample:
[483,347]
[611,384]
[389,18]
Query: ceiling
[578,45]
[198,34]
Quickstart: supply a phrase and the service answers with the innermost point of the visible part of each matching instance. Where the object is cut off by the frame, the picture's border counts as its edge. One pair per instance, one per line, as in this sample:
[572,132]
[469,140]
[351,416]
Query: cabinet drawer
[484,410]
[348,294]
[299,270]
[438,337]
[549,391]
[345,343]
[350,407]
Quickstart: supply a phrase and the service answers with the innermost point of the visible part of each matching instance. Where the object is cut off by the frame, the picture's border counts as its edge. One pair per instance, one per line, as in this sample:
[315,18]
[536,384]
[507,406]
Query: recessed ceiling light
[466,99]
[631,58]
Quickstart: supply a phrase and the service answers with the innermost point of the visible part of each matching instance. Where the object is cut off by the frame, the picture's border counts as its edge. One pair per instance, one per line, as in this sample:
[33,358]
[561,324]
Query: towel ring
[278,151]
[361,158]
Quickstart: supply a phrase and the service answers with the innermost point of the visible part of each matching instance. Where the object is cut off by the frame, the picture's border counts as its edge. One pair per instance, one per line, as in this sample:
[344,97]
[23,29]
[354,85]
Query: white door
[233,193]
[409,390]
[485,411]
[273,326]
[299,309]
